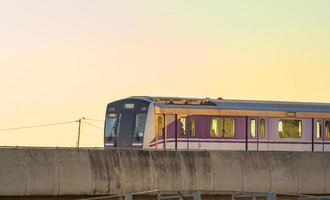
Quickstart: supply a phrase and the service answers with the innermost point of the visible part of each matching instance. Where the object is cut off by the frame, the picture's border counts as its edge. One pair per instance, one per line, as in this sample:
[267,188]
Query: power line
[37,126]
[96,120]
[93,125]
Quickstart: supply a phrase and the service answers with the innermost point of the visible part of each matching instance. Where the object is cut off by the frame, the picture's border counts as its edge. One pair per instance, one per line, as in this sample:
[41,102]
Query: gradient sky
[64,59]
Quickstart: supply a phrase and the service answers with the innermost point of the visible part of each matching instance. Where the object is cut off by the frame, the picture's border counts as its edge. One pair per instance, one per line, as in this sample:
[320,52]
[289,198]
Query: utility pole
[79,130]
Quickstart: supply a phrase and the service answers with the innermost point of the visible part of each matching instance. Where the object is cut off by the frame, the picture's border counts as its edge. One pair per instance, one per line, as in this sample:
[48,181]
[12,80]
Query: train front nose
[125,124]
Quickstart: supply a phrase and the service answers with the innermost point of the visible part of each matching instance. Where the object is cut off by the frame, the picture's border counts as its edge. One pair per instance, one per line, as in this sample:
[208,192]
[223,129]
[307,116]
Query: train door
[318,140]
[125,130]
[170,141]
[187,132]
[191,133]
[252,132]
[160,137]
[182,132]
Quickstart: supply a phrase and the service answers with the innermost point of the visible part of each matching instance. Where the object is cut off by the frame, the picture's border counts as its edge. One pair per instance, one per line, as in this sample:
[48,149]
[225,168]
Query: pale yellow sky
[61,60]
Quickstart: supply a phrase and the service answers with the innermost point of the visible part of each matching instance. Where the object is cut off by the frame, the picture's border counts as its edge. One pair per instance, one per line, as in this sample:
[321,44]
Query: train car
[221,124]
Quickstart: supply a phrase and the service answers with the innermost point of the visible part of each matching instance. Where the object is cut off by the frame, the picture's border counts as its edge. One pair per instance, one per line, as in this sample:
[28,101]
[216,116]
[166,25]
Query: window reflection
[112,124]
[318,130]
[183,125]
[289,128]
[253,130]
[262,128]
[327,130]
[193,126]
[214,132]
[140,121]
[159,126]
[222,127]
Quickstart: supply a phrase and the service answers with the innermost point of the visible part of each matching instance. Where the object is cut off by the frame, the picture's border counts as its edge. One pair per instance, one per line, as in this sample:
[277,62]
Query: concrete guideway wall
[32,171]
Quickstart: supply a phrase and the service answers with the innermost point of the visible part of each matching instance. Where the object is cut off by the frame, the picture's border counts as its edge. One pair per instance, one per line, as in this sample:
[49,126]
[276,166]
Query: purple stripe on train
[235,142]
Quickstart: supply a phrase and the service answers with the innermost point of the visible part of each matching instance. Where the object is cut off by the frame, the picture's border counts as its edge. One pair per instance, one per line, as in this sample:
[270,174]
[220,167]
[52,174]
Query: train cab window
[253,130]
[262,128]
[111,124]
[318,130]
[222,127]
[159,126]
[183,126]
[289,128]
[193,126]
[140,121]
[327,130]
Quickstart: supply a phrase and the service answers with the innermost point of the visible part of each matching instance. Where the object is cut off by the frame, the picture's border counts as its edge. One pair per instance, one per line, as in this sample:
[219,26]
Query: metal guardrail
[307,197]
[179,196]
[195,195]
[254,195]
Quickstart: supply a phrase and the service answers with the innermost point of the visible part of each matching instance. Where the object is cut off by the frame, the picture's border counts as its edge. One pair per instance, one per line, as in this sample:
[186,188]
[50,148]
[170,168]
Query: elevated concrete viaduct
[64,171]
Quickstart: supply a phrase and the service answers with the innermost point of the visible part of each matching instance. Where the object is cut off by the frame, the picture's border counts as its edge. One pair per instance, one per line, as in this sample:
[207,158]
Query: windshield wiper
[115,130]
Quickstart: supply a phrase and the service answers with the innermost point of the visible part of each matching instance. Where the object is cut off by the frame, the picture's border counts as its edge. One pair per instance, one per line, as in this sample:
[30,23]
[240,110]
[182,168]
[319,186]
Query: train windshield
[112,122]
[140,121]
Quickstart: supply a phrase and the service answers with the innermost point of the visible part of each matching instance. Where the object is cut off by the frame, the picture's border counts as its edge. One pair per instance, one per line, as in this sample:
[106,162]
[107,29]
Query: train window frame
[253,128]
[285,124]
[183,125]
[137,132]
[262,128]
[113,118]
[318,130]
[192,126]
[221,128]
[159,126]
[214,131]
[327,130]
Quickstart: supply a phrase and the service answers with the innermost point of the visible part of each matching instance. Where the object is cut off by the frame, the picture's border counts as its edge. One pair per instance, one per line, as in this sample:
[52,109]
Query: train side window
[222,127]
[262,128]
[159,126]
[228,127]
[214,130]
[253,128]
[193,126]
[183,125]
[318,130]
[289,128]
[300,129]
[327,130]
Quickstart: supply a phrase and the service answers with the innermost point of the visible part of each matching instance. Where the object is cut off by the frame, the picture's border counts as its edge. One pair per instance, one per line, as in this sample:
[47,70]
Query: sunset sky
[65,59]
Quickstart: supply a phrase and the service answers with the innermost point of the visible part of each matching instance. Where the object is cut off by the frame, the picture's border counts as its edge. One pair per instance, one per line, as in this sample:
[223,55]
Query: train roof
[220,103]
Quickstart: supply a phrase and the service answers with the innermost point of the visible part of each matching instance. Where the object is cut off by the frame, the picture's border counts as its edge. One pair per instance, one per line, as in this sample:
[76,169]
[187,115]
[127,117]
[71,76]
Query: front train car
[125,122]
[221,124]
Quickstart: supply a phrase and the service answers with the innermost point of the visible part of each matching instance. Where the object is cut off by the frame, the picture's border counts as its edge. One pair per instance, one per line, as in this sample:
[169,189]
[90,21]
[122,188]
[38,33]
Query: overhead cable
[97,120]
[92,125]
[38,126]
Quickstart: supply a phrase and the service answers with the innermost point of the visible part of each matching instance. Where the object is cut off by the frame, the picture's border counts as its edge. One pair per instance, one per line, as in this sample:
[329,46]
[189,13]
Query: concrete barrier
[31,171]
